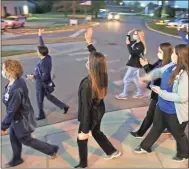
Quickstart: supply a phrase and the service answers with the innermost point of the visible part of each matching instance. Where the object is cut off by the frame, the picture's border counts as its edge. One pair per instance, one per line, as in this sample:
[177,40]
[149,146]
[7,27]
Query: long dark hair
[182,61]
[98,75]
[167,49]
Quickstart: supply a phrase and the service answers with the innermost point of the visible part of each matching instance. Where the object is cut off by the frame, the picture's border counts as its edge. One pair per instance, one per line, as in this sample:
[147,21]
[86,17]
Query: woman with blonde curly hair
[20,115]
[137,49]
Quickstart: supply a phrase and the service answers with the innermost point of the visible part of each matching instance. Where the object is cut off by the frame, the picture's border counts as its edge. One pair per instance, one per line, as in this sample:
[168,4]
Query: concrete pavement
[69,68]
[116,125]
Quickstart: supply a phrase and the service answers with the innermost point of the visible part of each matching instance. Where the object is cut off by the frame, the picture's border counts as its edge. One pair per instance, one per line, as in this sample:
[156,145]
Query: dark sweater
[148,68]
[136,51]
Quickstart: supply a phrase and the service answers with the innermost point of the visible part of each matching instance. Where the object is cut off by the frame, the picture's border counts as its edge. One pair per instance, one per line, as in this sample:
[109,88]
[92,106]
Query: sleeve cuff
[3,127]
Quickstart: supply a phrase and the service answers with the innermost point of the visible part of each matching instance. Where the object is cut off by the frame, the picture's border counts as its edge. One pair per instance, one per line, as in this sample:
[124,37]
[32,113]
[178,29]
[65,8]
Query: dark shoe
[136,135]
[80,166]
[179,159]
[53,156]
[13,163]
[139,150]
[40,118]
[66,109]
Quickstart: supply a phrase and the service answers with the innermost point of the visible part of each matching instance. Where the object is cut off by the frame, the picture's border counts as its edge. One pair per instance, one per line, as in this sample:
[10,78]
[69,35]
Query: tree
[43,6]
[74,6]
[167,12]
[118,2]
[96,6]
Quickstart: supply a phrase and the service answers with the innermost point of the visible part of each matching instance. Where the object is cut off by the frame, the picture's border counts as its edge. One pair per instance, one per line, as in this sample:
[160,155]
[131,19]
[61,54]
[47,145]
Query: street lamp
[121,3]
[25,9]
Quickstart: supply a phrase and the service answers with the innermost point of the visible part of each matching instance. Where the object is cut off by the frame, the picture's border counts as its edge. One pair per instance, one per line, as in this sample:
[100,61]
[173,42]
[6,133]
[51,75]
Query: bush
[157,12]
[168,12]
[7,14]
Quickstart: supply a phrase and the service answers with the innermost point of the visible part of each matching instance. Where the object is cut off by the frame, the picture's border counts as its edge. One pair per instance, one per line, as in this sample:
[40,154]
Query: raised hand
[40,32]
[89,36]
[143,62]
[131,31]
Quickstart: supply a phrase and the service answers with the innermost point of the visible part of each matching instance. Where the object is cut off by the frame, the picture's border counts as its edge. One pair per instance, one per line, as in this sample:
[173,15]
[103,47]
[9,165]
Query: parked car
[15,21]
[3,24]
[177,22]
[114,16]
[184,24]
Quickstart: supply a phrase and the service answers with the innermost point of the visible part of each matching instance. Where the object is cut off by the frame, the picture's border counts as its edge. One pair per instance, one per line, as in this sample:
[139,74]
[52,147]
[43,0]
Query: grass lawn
[148,17]
[52,17]
[61,27]
[35,42]
[163,28]
[16,52]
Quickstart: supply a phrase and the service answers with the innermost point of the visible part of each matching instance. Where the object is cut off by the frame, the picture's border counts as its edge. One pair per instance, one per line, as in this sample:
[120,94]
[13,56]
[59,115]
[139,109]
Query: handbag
[49,87]
[26,125]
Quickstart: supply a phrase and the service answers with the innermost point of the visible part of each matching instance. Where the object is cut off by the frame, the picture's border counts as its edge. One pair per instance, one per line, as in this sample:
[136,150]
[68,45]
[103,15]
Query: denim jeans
[132,75]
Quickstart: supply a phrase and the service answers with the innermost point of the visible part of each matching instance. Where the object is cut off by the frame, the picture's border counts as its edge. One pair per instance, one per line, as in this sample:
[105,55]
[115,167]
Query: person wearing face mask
[165,51]
[91,108]
[172,107]
[182,35]
[137,49]
[20,117]
[44,84]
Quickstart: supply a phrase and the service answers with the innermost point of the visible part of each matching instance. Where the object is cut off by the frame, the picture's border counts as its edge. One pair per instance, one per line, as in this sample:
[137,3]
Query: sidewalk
[116,125]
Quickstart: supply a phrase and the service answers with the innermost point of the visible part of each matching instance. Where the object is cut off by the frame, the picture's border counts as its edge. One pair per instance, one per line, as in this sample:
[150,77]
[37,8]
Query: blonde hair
[142,39]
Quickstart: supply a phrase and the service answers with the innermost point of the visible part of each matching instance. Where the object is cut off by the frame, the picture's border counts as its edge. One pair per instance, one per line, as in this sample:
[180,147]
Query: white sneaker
[112,156]
[139,150]
[120,97]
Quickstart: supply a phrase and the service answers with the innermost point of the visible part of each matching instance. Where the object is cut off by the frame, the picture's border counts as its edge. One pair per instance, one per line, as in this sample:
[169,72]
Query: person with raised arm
[91,107]
[42,75]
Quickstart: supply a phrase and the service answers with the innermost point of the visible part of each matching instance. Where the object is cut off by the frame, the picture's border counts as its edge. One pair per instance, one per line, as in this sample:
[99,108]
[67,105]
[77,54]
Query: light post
[121,3]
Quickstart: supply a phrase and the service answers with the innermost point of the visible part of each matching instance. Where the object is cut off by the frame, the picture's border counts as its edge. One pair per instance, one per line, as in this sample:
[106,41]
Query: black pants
[100,138]
[40,94]
[16,144]
[148,120]
[161,121]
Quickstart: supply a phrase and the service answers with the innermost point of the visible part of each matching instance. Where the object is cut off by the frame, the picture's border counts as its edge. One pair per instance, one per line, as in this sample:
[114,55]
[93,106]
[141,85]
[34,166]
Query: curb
[146,24]
[33,55]
[66,30]
[30,55]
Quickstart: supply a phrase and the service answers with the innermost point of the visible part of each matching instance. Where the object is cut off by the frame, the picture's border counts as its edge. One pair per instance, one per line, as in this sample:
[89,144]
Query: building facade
[9,7]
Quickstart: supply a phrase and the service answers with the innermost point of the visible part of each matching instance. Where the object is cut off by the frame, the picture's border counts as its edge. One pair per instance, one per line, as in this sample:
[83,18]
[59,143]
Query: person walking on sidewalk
[20,115]
[137,49]
[91,110]
[165,51]
[172,108]
[44,84]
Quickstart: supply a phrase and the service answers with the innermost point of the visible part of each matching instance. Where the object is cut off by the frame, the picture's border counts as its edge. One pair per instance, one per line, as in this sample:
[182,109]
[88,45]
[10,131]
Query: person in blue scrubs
[20,117]
[172,107]
[43,78]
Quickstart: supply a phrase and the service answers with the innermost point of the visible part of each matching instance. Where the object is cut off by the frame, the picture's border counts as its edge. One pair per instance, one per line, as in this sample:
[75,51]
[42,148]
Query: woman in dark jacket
[137,49]
[20,115]
[92,91]
[164,57]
